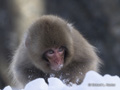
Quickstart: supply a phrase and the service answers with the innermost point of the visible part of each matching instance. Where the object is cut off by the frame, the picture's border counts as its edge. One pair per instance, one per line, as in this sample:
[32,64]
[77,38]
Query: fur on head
[47,32]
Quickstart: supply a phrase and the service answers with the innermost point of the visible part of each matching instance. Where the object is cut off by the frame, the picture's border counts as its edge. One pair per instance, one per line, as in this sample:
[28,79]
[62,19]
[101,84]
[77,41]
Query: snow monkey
[53,47]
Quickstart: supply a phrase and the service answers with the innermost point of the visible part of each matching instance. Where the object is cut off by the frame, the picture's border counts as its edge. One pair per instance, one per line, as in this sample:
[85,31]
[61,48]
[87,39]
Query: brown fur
[47,32]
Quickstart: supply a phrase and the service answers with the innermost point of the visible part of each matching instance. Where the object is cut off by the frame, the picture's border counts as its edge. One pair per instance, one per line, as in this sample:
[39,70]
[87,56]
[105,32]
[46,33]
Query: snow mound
[92,81]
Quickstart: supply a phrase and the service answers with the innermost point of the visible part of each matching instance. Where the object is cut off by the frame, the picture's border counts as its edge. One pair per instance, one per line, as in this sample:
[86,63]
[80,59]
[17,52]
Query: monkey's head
[49,43]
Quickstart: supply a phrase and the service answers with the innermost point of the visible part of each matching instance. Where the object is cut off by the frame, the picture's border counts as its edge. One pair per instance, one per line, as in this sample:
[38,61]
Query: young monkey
[53,47]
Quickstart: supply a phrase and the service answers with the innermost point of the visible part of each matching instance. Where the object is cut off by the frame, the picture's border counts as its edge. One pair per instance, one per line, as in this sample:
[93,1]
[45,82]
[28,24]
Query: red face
[55,56]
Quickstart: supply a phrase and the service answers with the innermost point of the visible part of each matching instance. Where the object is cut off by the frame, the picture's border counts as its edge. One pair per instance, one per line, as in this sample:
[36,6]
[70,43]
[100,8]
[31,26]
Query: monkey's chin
[57,67]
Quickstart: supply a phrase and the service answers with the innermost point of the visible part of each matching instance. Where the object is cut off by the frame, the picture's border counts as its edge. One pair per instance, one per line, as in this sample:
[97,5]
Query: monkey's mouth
[56,67]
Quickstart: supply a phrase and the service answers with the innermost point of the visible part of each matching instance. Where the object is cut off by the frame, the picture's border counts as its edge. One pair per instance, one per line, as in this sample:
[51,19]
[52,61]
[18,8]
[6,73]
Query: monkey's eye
[61,49]
[50,52]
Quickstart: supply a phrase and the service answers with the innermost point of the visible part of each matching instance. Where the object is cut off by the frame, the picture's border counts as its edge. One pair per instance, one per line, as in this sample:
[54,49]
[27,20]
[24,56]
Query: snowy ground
[92,81]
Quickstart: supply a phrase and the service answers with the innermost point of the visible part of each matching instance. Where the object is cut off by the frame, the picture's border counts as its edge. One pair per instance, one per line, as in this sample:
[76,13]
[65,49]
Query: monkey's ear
[26,43]
[30,44]
[27,40]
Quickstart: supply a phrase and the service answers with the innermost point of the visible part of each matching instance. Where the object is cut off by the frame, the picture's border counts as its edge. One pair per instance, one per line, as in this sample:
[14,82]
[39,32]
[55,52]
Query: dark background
[97,20]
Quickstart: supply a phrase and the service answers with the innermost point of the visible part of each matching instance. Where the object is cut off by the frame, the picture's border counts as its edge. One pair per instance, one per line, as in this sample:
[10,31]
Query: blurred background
[97,20]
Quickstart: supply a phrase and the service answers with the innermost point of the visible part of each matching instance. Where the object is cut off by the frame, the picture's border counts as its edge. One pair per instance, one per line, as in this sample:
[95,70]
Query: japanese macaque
[53,47]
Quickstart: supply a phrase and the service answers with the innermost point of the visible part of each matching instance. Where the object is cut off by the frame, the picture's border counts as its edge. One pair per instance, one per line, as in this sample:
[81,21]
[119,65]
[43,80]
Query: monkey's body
[50,31]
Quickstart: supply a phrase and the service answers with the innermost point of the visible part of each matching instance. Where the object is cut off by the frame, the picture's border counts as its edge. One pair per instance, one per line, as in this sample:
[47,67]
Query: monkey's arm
[74,72]
[84,52]
[23,70]
[18,65]
[84,59]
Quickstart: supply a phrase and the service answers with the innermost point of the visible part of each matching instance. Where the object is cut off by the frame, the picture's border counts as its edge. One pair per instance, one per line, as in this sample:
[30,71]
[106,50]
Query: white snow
[92,81]
[7,88]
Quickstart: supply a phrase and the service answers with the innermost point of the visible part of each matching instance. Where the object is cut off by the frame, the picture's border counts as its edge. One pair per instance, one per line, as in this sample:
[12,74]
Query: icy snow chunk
[38,84]
[92,81]
[7,88]
[55,83]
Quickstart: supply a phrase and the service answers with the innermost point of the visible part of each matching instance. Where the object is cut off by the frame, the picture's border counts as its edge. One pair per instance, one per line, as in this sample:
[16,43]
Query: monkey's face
[55,57]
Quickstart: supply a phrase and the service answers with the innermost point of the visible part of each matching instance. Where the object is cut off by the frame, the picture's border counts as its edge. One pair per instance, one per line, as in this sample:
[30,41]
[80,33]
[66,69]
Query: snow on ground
[92,81]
